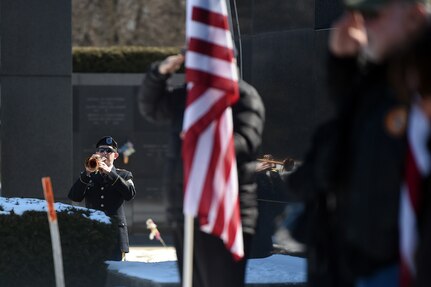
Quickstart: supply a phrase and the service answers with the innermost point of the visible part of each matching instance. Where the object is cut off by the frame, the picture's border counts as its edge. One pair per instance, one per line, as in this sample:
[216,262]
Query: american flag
[418,166]
[210,172]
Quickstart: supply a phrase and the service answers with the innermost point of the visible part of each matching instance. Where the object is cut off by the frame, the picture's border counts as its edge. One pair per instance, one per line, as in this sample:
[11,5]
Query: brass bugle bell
[92,163]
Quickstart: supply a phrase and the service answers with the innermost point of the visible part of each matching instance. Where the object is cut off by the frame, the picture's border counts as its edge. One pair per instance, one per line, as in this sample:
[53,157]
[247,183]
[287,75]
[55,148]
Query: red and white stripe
[417,167]
[210,172]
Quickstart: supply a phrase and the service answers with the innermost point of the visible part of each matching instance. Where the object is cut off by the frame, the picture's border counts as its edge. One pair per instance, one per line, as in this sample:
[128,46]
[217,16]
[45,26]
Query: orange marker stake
[55,234]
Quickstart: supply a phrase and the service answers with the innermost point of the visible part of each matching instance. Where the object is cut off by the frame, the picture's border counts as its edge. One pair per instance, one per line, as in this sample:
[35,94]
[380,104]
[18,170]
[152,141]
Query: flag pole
[188,219]
[55,234]
[188,250]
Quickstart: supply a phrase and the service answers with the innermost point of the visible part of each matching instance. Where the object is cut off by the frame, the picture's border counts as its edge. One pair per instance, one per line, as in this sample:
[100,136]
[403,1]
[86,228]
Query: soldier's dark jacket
[107,192]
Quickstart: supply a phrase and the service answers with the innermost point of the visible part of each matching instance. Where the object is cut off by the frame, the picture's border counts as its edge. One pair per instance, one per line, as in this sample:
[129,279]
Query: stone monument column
[36,96]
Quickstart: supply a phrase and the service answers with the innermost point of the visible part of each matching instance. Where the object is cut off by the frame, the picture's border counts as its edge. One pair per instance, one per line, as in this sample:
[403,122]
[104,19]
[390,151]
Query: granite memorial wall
[47,132]
[283,50]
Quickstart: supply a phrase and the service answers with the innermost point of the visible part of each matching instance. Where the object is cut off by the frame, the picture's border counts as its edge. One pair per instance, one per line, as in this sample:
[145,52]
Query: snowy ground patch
[277,269]
[273,269]
[21,205]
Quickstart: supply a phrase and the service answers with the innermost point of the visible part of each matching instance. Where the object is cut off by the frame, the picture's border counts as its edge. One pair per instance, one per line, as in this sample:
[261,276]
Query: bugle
[92,163]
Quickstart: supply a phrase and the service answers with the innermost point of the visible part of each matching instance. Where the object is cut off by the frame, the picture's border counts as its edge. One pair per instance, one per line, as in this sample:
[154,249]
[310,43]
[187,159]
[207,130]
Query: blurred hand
[348,35]
[425,103]
[171,64]
[103,167]
[263,166]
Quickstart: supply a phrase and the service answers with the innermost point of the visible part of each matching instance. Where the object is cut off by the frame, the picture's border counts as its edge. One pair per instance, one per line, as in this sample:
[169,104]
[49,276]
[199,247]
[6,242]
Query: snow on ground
[273,269]
[161,272]
[21,205]
[163,268]
[277,269]
[151,254]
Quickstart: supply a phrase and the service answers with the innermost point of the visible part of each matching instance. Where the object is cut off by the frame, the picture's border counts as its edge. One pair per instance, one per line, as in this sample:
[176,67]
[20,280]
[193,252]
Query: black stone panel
[326,12]
[283,75]
[151,150]
[282,15]
[148,203]
[324,108]
[150,191]
[35,37]
[36,135]
[104,108]
[244,10]
[245,56]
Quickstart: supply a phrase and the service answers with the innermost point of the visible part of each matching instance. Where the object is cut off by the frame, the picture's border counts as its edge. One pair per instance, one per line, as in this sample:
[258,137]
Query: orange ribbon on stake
[55,234]
[49,197]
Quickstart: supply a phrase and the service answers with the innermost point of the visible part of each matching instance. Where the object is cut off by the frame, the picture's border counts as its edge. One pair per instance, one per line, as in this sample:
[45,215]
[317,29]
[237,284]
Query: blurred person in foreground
[213,264]
[415,203]
[105,187]
[352,175]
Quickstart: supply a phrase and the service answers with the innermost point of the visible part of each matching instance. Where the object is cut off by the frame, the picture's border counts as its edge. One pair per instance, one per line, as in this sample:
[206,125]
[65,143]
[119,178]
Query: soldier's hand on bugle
[103,167]
[94,164]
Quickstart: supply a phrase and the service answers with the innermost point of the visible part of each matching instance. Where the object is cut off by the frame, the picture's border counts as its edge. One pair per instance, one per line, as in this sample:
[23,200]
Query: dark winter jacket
[356,162]
[158,103]
[107,193]
[369,169]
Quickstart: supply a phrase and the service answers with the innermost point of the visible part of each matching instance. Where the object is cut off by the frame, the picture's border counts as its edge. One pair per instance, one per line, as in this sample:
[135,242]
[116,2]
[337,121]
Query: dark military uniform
[107,192]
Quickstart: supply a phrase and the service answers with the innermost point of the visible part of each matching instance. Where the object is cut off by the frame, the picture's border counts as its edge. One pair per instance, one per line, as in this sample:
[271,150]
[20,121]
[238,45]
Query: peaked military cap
[108,141]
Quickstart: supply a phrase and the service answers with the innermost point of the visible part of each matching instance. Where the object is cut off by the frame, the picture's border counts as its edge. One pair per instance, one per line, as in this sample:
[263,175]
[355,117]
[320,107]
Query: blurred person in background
[163,104]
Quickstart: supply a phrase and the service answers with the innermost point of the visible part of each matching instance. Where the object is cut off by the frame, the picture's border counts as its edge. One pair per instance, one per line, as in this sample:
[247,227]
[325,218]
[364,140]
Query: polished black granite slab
[36,37]
[282,48]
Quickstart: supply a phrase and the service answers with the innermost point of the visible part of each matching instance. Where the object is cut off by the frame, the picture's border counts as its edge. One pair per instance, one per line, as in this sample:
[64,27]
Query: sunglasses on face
[104,149]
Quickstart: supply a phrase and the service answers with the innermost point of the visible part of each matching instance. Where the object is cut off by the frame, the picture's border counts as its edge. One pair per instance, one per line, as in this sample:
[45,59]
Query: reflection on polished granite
[283,45]
[283,73]
[282,15]
[263,16]
[326,12]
